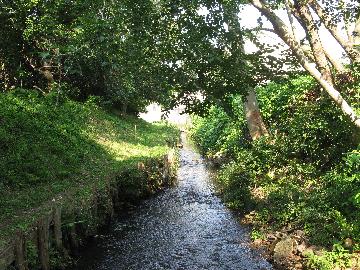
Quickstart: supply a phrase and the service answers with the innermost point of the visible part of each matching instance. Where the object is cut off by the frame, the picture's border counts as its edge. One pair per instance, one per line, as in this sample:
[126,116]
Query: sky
[175,116]
[249,16]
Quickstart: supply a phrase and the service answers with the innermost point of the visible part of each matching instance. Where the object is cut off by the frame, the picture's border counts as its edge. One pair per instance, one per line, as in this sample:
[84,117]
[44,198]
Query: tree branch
[291,20]
[268,30]
[283,32]
[314,39]
[325,18]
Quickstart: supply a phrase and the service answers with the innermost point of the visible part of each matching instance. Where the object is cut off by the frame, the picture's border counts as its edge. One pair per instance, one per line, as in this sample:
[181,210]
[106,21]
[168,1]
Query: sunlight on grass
[48,150]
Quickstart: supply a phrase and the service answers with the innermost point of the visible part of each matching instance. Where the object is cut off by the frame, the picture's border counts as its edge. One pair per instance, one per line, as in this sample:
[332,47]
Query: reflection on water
[185,227]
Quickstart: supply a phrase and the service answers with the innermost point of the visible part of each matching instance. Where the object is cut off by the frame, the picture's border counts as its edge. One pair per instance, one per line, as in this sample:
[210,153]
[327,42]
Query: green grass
[54,150]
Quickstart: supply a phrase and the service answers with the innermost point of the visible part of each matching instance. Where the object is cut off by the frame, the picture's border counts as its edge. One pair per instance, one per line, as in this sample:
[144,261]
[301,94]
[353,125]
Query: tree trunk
[253,117]
[326,19]
[283,32]
[46,72]
[356,35]
[314,39]
[254,120]
[124,106]
[291,20]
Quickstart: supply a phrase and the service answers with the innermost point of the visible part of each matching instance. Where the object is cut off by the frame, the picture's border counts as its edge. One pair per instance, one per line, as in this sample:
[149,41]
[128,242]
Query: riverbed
[184,227]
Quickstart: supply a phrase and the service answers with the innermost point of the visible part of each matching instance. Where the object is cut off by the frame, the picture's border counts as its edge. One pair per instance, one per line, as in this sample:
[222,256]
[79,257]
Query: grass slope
[50,148]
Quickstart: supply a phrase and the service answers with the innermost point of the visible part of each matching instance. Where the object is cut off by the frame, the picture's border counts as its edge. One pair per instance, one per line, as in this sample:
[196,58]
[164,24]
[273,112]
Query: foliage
[130,53]
[97,48]
[217,133]
[257,235]
[337,258]
[325,134]
[305,175]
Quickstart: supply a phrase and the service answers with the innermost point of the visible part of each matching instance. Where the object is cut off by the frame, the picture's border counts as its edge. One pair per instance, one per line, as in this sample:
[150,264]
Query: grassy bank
[303,179]
[54,149]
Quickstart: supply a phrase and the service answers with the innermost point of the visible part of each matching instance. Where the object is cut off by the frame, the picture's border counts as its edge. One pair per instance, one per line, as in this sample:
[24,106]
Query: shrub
[305,175]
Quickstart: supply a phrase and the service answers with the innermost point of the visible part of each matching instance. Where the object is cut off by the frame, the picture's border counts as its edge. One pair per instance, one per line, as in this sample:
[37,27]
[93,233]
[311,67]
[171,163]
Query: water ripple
[185,227]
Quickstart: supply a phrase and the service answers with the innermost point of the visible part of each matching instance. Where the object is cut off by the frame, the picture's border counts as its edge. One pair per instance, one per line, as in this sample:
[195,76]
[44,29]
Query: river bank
[299,186]
[184,227]
[66,167]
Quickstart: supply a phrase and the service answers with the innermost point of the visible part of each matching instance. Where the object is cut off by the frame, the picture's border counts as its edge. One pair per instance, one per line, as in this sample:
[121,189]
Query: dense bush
[309,125]
[305,175]
[218,133]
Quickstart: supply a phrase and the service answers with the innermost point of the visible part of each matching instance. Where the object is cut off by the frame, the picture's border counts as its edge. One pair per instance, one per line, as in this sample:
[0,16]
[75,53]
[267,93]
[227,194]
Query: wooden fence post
[74,242]
[43,243]
[20,251]
[57,228]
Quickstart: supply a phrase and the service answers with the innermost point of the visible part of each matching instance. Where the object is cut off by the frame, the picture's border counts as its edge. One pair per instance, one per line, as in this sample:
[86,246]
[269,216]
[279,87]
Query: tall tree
[255,123]
[330,14]
[113,49]
[321,71]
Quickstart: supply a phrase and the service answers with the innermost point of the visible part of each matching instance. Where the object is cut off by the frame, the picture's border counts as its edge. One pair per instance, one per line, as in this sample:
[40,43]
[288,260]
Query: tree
[331,14]
[113,49]
[321,72]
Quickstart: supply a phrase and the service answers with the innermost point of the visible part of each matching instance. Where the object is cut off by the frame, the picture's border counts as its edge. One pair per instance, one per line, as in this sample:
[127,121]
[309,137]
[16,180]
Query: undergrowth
[304,176]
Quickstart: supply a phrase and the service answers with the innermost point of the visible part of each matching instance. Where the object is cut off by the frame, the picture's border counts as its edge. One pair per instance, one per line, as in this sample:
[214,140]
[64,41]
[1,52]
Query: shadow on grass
[46,150]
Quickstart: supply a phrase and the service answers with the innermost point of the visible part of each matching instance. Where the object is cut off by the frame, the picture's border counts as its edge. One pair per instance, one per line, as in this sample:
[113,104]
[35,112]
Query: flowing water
[184,227]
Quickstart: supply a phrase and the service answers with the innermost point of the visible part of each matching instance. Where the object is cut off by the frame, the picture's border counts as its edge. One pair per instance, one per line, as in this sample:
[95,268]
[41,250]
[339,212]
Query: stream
[184,227]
